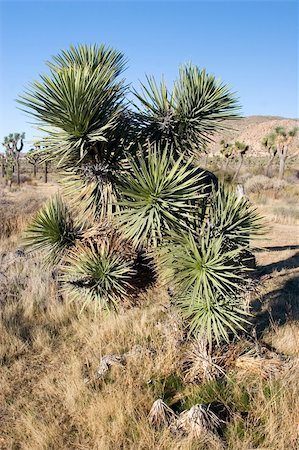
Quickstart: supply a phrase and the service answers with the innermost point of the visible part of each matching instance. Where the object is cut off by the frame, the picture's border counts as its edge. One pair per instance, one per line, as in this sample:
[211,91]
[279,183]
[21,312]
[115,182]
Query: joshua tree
[227,151]
[269,143]
[2,158]
[283,139]
[33,157]
[131,186]
[239,149]
[13,144]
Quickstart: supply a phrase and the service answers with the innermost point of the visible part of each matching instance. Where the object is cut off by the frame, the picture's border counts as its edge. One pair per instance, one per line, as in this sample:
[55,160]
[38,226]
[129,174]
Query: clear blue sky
[251,45]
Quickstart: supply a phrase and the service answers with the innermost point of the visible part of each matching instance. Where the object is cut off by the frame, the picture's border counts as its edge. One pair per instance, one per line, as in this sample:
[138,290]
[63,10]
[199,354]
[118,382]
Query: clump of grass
[261,183]
[286,214]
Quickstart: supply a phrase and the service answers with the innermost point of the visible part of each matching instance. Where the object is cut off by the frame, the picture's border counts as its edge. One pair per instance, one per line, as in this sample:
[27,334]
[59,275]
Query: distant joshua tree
[269,143]
[13,144]
[239,150]
[34,158]
[283,139]
[2,158]
[227,151]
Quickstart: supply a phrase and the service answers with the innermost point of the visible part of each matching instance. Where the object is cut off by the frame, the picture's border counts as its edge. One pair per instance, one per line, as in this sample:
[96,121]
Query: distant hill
[251,130]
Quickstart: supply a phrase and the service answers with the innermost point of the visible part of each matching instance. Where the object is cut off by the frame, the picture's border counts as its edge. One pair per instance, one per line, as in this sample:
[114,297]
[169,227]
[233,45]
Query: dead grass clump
[252,365]
[160,414]
[286,214]
[200,364]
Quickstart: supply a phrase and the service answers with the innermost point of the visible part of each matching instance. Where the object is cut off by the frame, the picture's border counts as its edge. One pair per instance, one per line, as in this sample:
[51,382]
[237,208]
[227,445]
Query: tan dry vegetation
[18,204]
[52,397]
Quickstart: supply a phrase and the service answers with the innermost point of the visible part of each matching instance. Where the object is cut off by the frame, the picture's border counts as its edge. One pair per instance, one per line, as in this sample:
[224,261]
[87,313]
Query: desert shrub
[286,213]
[15,214]
[260,183]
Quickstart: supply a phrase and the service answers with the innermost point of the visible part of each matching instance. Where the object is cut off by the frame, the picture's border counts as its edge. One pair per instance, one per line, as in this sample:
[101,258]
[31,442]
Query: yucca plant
[53,231]
[209,281]
[160,194]
[232,218]
[190,115]
[97,274]
[81,106]
[132,170]
[239,149]
[93,56]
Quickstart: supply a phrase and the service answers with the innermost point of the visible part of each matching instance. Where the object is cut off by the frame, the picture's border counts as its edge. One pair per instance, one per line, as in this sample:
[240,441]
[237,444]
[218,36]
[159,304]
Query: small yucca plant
[233,218]
[53,231]
[97,274]
[159,195]
[209,282]
[187,117]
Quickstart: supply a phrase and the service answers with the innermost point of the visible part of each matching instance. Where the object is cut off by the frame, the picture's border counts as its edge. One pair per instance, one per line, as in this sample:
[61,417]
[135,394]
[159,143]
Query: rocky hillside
[252,129]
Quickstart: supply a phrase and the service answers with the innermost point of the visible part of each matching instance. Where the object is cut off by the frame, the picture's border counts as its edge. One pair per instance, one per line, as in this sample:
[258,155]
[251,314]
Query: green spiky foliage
[80,105]
[209,281]
[232,218]
[189,116]
[90,55]
[53,231]
[159,194]
[97,274]
[132,169]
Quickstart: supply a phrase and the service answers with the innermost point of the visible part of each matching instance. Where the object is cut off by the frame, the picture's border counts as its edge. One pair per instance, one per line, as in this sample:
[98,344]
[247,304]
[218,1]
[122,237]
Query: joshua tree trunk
[18,172]
[282,161]
[238,168]
[3,169]
[269,165]
[46,171]
[283,154]
[34,170]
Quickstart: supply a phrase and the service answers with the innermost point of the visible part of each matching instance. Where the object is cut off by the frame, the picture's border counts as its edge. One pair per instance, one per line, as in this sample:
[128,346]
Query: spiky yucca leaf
[198,420]
[92,191]
[214,317]
[53,231]
[159,195]
[97,274]
[203,103]
[209,282]
[155,114]
[188,117]
[93,56]
[233,218]
[160,414]
[80,106]
[205,267]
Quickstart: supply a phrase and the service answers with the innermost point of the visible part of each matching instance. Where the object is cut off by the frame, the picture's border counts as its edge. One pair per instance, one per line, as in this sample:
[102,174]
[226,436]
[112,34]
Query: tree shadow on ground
[290,263]
[278,248]
[278,306]
[281,304]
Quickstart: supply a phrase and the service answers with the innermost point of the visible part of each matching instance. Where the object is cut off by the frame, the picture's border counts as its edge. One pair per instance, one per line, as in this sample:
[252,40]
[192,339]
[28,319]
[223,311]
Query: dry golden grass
[19,204]
[50,395]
